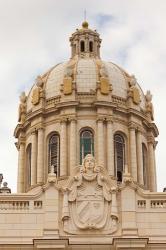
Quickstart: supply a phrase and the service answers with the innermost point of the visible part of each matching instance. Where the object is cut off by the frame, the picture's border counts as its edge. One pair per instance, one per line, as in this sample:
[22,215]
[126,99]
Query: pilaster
[21,165]
[63,147]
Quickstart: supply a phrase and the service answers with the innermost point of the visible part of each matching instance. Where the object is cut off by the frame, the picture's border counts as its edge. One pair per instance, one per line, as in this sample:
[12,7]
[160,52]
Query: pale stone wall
[34,221]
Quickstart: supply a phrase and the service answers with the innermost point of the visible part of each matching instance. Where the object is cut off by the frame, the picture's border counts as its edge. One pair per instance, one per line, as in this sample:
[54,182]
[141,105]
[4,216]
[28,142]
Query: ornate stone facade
[86,168]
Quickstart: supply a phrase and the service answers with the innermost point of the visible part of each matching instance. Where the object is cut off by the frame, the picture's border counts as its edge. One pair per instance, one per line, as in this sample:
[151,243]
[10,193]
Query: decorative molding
[90,201]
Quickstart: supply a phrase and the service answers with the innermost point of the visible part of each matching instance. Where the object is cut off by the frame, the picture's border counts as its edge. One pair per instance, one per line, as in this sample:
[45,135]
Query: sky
[34,37]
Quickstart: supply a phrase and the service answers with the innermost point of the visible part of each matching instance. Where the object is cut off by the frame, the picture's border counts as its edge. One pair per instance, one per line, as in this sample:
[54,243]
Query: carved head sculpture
[23,97]
[148,96]
[39,81]
[89,164]
[133,81]
[68,72]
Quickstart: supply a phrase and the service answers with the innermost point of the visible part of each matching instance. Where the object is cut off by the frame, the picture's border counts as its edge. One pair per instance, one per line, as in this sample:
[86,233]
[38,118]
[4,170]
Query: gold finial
[85,23]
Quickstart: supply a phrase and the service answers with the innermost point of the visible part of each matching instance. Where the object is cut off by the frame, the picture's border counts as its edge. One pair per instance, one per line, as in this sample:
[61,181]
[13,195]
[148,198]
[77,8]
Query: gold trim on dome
[36,96]
[136,95]
[104,85]
[67,86]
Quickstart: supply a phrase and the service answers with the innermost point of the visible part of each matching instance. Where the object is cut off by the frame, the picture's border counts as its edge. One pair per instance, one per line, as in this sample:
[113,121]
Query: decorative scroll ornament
[133,90]
[90,202]
[22,108]
[38,92]
[149,104]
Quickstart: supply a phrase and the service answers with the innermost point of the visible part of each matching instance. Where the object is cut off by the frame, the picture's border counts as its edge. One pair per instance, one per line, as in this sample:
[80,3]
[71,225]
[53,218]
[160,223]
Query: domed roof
[86,75]
[86,70]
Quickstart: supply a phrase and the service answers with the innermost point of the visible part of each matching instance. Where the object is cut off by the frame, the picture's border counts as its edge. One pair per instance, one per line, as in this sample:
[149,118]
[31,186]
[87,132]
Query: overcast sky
[34,37]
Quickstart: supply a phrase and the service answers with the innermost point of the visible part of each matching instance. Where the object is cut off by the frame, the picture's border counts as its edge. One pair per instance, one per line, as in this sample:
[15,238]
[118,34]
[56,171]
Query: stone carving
[22,108]
[133,90]
[89,202]
[67,81]
[149,104]
[105,87]
[38,92]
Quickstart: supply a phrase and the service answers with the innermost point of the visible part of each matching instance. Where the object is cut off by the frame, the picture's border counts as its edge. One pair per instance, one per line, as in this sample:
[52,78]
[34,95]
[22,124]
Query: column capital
[63,119]
[40,128]
[101,118]
[151,140]
[21,141]
[72,119]
[109,119]
[132,126]
[33,131]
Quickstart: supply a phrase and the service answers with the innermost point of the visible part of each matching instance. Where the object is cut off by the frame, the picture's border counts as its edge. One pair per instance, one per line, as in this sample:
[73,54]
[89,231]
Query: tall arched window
[28,163]
[144,159]
[91,46]
[86,144]
[119,149]
[54,153]
[82,44]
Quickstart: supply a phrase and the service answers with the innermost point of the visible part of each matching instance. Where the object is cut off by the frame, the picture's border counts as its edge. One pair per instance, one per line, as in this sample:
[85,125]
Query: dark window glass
[54,154]
[91,46]
[119,156]
[86,144]
[82,46]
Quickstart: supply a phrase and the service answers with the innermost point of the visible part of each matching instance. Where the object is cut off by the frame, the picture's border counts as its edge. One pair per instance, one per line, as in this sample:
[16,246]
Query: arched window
[119,149]
[144,159]
[86,144]
[91,46]
[82,46]
[28,163]
[54,153]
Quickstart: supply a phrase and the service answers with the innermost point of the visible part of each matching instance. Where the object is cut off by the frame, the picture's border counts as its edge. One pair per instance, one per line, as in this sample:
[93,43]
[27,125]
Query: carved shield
[90,211]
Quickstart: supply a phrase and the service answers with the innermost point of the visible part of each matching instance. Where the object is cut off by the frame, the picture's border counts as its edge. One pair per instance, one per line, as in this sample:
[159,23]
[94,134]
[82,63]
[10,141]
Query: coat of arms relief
[90,201]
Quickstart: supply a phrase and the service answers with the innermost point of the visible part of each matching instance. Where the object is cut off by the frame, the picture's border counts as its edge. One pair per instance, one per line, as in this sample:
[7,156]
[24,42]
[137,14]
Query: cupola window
[119,148]
[86,144]
[91,46]
[82,46]
[54,153]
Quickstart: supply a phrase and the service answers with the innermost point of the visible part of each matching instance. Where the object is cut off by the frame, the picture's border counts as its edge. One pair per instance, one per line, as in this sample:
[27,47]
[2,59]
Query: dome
[86,74]
[85,106]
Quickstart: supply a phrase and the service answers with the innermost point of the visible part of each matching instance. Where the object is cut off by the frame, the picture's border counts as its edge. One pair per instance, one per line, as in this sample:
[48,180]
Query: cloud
[34,37]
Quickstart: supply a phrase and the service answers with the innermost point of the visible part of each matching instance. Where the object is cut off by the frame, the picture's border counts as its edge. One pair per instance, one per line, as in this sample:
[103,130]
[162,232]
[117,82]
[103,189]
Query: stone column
[40,156]
[100,142]
[133,154]
[110,148]
[21,167]
[140,158]
[63,148]
[152,167]
[73,145]
[34,158]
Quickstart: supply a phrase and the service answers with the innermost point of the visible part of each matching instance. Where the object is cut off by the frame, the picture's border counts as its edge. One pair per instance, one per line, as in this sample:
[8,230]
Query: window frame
[123,144]
[82,151]
[49,161]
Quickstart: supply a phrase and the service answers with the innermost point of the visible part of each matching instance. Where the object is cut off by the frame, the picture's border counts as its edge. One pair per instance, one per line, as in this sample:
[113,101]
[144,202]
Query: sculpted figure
[38,92]
[22,108]
[105,87]
[89,202]
[67,81]
[133,90]
[149,104]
